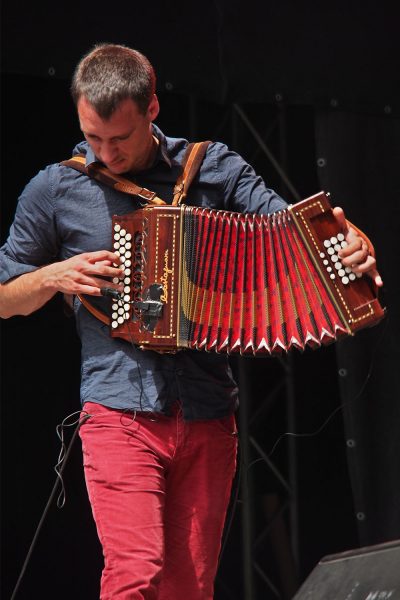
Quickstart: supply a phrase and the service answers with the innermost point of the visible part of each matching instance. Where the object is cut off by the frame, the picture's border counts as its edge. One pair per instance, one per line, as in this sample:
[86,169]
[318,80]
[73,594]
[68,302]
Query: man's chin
[118,168]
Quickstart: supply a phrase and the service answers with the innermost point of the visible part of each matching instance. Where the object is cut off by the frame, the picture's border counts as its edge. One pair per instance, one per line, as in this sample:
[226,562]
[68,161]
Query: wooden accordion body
[227,282]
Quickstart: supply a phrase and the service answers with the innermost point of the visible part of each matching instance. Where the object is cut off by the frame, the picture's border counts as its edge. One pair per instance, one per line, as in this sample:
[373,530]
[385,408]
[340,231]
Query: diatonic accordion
[237,283]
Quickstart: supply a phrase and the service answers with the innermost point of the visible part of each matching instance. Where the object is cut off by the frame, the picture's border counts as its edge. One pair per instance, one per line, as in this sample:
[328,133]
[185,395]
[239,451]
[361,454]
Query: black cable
[62,462]
[336,410]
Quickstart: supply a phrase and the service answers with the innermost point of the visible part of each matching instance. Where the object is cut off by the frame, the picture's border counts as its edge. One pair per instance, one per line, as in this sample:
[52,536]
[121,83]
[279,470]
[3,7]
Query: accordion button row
[331,260]
[122,247]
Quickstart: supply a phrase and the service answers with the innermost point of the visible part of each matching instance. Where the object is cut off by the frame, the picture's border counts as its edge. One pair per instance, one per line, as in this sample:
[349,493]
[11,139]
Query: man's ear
[154,108]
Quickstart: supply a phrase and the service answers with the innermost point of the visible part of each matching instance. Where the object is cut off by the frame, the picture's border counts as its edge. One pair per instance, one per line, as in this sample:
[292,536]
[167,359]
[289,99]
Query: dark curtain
[359,160]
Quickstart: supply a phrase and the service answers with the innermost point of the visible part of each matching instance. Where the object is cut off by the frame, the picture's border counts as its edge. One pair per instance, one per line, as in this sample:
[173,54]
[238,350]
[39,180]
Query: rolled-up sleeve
[32,241]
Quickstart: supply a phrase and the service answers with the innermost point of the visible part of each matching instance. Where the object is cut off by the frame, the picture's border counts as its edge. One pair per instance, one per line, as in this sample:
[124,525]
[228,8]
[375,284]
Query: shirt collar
[162,153]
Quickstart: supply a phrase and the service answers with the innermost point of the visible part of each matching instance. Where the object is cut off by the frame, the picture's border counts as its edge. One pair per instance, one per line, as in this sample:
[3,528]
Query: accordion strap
[192,160]
[117,182]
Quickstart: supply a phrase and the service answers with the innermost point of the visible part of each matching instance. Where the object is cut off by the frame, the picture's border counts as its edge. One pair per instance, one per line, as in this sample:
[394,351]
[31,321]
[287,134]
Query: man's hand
[82,274]
[356,254]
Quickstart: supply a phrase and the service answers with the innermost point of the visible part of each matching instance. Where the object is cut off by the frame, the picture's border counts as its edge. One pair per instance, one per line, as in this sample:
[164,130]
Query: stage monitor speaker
[370,573]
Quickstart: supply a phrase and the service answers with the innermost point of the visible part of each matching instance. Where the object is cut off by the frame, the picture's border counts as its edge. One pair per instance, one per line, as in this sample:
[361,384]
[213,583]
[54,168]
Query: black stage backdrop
[359,159]
[320,86]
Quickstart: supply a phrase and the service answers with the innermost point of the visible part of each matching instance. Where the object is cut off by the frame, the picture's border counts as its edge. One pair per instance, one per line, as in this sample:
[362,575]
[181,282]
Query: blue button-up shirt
[62,212]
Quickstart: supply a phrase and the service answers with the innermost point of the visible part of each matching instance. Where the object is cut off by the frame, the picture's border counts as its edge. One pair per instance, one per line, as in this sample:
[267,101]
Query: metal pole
[289,379]
[267,152]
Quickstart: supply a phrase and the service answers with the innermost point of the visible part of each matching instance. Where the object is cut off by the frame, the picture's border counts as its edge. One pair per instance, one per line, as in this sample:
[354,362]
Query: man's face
[124,142]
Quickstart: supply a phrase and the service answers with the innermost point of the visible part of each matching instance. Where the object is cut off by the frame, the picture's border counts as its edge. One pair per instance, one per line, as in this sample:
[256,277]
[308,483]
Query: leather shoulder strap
[117,182]
[192,160]
[94,311]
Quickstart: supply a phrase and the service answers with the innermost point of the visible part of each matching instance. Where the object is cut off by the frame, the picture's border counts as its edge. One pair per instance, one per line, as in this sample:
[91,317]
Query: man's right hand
[80,274]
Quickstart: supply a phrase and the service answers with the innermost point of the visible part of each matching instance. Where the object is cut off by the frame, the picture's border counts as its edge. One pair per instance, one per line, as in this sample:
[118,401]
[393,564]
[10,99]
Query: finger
[372,273]
[376,278]
[362,267]
[88,290]
[338,213]
[355,258]
[355,245]
[105,270]
[93,286]
[102,255]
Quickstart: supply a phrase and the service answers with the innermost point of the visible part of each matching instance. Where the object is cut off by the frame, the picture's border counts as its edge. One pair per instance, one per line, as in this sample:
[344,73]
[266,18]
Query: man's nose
[108,152]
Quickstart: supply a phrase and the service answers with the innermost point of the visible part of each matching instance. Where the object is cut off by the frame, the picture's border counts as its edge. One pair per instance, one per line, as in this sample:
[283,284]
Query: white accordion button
[128,237]
[117,227]
[341,273]
[327,243]
[127,263]
[333,240]
[345,280]
[114,324]
[334,258]
[331,251]
[352,277]
[332,276]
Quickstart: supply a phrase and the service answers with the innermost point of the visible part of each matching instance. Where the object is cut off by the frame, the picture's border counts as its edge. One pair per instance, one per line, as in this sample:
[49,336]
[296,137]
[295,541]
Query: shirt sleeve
[243,189]
[32,241]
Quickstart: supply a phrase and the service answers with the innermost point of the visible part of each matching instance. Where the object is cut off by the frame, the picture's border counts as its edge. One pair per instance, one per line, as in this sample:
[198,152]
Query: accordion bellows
[230,282]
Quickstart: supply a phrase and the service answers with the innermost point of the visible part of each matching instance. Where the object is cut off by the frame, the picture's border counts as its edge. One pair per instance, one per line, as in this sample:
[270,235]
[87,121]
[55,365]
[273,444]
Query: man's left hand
[356,254]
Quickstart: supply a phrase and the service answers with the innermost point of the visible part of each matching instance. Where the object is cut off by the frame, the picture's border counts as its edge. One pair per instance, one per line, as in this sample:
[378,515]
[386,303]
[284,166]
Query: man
[160,442]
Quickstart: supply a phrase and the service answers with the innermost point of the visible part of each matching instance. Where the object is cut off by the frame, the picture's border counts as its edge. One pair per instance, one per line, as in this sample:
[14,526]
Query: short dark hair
[111,73]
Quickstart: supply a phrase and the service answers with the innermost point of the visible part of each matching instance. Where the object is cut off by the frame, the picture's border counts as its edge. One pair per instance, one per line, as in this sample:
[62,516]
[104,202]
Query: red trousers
[159,488]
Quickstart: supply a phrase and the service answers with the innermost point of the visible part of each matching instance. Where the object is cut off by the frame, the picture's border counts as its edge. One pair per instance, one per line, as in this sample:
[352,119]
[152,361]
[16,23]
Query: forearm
[25,294]
[82,274]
